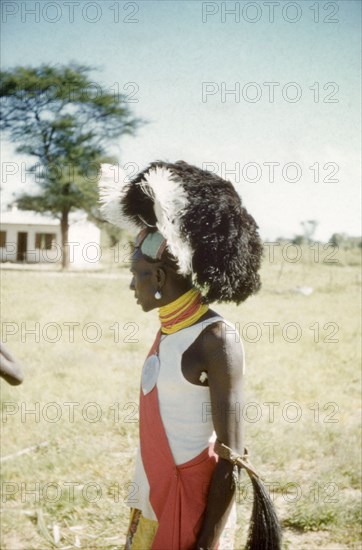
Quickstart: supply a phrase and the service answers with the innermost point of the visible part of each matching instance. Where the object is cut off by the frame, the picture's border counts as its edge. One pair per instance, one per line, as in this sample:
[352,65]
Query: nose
[131,286]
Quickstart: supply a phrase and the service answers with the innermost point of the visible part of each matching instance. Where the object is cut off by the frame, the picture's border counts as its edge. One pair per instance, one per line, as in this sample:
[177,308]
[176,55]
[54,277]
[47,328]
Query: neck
[182,312]
[176,288]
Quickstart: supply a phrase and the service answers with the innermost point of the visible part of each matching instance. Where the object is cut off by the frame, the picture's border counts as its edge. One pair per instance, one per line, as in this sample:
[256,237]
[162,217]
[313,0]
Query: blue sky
[182,59]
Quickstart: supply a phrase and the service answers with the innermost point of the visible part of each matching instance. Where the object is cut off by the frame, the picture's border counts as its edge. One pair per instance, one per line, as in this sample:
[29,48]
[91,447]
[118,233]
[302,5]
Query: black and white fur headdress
[208,231]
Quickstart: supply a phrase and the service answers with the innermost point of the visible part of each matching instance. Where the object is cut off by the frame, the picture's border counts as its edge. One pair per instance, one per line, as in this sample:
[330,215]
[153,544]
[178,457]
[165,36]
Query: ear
[161,277]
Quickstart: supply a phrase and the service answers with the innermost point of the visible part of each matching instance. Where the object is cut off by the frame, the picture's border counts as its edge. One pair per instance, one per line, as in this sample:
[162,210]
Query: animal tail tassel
[264,531]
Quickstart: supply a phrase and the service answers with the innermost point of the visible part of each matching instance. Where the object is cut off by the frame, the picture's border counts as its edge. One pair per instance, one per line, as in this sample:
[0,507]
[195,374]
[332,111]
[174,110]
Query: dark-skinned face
[144,282]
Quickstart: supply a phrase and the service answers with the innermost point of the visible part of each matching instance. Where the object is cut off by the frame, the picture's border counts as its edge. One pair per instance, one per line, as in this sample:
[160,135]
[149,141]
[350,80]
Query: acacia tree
[58,115]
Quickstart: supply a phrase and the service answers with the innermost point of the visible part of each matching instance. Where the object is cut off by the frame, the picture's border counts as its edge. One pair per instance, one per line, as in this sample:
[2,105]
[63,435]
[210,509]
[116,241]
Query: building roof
[26,217]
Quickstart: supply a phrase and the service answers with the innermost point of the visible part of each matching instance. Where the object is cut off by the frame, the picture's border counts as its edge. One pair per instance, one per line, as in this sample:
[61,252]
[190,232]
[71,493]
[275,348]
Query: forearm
[219,503]
[12,374]
[10,369]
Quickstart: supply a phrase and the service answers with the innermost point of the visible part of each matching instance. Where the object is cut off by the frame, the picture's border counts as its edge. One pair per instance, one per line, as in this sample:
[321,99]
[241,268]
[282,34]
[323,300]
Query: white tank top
[184,407]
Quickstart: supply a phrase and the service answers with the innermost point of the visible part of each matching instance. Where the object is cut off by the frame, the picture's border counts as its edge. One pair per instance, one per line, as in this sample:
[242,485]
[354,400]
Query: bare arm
[223,358]
[10,369]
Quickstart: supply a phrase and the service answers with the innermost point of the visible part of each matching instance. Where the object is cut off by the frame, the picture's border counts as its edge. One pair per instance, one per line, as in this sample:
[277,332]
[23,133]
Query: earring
[158,295]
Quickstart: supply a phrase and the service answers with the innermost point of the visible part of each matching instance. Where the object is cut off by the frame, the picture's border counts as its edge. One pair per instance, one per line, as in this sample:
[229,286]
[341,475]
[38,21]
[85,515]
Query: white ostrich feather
[111,183]
[170,200]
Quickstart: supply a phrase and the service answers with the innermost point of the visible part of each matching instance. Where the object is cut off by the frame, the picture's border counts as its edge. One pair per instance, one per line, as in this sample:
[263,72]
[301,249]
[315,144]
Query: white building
[30,237]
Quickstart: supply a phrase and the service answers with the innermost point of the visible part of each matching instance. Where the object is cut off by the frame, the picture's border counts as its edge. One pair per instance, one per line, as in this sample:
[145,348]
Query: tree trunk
[64,227]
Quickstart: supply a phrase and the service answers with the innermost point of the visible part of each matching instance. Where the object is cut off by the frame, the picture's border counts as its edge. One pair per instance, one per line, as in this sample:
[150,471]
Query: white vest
[184,407]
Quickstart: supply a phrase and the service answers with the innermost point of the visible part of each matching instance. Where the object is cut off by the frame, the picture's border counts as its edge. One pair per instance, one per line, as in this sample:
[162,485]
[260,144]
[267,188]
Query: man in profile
[197,245]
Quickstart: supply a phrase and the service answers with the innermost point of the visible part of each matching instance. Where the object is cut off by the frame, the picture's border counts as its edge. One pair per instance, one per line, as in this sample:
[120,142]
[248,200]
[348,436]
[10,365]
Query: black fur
[223,235]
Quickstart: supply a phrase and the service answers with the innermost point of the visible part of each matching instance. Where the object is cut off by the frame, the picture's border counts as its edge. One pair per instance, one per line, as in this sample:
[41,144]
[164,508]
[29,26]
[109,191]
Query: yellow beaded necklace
[183,312]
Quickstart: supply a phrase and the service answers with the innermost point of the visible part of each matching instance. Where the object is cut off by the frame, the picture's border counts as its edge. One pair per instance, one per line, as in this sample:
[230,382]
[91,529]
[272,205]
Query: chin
[146,307]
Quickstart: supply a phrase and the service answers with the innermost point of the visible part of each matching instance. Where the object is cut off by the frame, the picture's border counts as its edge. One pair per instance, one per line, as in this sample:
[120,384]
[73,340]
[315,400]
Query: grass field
[82,340]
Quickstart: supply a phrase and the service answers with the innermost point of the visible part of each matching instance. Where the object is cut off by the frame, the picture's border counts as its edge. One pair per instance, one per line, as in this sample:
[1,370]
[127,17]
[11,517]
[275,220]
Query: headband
[151,244]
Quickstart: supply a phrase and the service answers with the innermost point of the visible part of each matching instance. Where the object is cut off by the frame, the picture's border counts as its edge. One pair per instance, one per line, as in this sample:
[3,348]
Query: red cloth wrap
[178,494]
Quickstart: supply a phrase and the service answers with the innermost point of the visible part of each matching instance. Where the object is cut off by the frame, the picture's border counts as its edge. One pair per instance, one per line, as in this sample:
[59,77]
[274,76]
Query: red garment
[178,494]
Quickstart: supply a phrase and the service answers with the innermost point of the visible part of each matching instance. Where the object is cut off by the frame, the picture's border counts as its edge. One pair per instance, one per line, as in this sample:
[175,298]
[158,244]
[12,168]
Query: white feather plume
[170,200]
[111,183]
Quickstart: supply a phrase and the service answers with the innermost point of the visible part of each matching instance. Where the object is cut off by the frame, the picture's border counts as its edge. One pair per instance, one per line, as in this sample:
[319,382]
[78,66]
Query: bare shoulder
[222,349]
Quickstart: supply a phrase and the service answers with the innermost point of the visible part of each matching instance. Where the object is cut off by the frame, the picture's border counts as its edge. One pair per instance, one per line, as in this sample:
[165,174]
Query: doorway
[22,247]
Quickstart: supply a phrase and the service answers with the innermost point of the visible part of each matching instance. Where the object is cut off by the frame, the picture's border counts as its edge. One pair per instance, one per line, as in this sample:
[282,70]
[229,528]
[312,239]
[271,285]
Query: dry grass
[79,480]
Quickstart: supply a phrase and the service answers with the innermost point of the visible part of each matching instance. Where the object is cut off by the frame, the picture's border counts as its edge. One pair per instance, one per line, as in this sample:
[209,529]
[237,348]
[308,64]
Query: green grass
[78,481]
